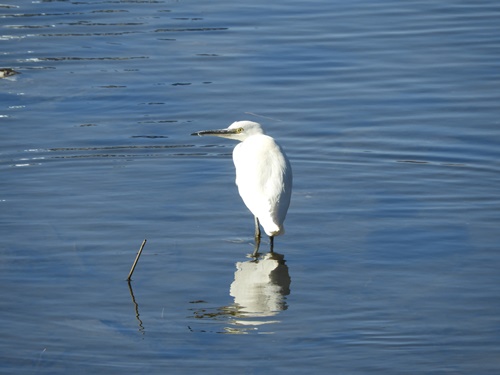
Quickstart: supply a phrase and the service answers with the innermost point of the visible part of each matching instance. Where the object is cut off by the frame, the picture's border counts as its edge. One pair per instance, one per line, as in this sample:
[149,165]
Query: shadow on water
[259,293]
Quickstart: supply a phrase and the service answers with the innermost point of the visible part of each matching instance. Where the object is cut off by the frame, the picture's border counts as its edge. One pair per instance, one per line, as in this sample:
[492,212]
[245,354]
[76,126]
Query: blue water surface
[389,112]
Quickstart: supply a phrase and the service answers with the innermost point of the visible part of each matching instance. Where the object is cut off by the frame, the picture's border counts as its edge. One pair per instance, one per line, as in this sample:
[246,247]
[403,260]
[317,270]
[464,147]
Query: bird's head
[239,130]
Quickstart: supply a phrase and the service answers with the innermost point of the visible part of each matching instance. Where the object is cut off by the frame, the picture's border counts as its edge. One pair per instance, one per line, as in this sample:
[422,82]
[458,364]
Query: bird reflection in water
[259,291]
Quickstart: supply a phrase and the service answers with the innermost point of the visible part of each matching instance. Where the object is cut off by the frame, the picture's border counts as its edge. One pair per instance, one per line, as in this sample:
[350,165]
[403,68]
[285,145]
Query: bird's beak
[218,132]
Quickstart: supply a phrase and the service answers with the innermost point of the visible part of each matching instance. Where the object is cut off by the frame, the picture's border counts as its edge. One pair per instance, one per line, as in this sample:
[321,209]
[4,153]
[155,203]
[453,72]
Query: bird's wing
[263,177]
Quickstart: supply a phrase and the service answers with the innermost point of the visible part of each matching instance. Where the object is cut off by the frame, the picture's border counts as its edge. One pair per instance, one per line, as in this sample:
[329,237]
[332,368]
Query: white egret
[263,176]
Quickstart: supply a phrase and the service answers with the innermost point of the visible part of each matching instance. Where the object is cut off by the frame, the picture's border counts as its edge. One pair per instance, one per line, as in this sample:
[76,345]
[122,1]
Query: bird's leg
[257,238]
[257,230]
[255,253]
[271,241]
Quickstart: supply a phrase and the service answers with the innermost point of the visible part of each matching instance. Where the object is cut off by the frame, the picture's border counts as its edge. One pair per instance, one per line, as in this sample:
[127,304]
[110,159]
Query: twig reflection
[136,307]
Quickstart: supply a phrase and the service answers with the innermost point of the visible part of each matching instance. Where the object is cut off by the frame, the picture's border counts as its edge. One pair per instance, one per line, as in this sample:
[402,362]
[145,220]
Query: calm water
[389,112]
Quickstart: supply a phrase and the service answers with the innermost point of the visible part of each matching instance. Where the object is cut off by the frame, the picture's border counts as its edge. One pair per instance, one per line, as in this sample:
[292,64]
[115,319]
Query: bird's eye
[239,130]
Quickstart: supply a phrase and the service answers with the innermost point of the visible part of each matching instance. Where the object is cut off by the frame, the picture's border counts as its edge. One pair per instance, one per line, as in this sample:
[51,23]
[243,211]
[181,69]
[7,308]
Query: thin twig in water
[136,260]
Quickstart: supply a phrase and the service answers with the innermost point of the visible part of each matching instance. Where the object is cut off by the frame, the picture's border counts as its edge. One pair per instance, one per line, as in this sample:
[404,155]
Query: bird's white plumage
[263,173]
[263,176]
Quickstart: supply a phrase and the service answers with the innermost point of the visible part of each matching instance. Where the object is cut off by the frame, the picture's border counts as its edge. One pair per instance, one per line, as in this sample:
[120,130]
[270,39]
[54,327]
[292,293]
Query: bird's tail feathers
[272,229]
